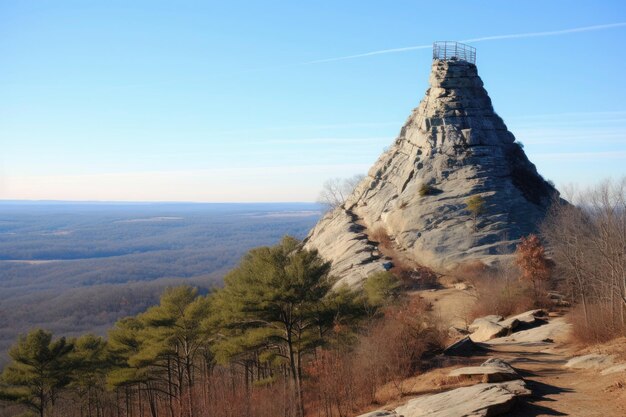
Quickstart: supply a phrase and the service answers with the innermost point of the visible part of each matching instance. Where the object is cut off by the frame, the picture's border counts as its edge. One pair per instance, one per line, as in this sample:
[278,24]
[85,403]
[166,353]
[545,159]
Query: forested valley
[78,267]
[274,341]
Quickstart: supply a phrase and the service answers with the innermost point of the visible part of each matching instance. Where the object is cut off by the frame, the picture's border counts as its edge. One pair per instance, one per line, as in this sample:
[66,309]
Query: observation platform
[454,51]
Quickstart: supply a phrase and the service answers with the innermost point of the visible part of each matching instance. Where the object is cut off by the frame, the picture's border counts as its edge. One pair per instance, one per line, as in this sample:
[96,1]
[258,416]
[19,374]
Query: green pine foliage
[277,303]
[38,370]
[381,288]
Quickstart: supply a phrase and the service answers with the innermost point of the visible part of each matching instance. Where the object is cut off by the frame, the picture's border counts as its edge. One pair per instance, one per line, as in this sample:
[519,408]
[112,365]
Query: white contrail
[383,51]
[482,39]
[549,33]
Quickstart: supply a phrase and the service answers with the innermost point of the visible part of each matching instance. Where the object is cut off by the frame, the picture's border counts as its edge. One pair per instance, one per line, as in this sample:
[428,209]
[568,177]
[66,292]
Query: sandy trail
[559,391]
[539,355]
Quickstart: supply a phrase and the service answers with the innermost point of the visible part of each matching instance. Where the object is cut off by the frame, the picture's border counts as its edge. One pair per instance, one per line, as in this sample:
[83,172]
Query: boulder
[488,330]
[544,334]
[479,400]
[525,320]
[477,322]
[591,361]
[380,413]
[492,370]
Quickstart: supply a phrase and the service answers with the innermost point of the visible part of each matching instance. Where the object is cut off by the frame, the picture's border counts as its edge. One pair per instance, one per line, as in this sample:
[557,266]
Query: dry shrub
[381,236]
[396,346]
[469,271]
[413,276]
[501,292]
[599,326]
[426,189]
[587,243]
[342,383]
[335,388]
[534,266]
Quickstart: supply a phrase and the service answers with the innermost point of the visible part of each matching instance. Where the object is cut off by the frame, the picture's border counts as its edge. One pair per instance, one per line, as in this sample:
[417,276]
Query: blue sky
[245,101]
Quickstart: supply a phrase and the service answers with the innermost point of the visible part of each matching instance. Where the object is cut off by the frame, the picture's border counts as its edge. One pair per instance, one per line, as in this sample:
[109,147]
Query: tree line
[252,344]
[587,242]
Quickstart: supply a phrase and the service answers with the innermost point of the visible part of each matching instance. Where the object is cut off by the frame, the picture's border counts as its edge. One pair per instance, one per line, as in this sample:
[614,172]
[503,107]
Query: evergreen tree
[173,330]
[39,369]
[91,360]
[380,288]
[277,301]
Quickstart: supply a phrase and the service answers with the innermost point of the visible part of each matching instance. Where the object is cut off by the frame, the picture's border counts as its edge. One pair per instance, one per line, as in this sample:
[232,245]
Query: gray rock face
[452,147]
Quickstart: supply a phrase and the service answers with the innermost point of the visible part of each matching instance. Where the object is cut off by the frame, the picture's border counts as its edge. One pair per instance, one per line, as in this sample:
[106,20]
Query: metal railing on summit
[453,51]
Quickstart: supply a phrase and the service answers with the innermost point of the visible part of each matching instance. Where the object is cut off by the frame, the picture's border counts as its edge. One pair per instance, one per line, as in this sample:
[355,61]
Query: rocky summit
[415,198]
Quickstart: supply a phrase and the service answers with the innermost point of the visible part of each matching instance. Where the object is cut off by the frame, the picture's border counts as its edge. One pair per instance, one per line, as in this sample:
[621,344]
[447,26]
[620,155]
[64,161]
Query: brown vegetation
[393,348]
[503,297]
[588,243]
[534,266]
[381,236]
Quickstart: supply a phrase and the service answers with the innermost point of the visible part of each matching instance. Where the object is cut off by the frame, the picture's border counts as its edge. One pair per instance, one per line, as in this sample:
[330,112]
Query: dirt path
[540,354]
[559,391]
[451,305]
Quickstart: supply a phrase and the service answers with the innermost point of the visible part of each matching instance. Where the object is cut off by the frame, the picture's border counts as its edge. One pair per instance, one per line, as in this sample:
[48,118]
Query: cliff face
[452,147]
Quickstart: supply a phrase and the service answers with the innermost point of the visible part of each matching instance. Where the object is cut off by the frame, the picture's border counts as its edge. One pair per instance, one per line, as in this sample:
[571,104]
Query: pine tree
[173,330]
[91,362]
[278,301]
[39,369]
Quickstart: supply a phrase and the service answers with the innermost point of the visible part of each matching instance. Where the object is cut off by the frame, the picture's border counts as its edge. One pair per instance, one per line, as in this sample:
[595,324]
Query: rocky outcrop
[490,327]
[452,147]
[479,400]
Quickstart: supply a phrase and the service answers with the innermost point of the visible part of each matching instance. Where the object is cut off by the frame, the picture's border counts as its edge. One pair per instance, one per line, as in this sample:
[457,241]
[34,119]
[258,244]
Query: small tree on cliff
[336,190]
[531,258]
[476,206]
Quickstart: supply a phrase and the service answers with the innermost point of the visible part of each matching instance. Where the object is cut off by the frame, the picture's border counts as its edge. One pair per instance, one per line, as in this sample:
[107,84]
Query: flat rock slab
[493,370]
[524,320]
[539,335]
[481,400]
[592,361]
[614,369]
[488,330]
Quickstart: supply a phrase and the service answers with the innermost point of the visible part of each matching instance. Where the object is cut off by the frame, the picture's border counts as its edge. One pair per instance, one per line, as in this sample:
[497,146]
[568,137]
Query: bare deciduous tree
[335,191]
[588,244]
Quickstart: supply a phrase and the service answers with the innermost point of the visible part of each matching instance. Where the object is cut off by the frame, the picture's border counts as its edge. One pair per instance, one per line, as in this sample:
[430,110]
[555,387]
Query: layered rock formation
[452,147]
